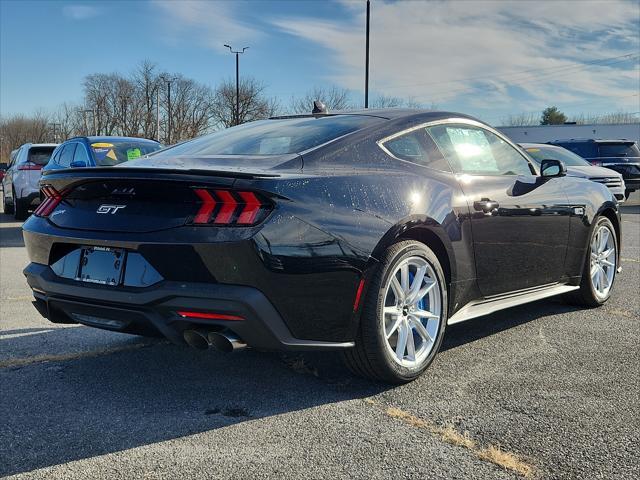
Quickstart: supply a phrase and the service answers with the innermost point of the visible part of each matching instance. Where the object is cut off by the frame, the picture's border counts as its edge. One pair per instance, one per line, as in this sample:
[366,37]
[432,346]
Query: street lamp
[168,81]
[237,52]
[93,117]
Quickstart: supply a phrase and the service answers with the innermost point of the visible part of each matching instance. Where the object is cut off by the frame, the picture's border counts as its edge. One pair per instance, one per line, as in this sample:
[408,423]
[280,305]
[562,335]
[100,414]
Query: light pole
[93,117]
[168,81]
[236,120]
[55,131]
[158,113]
[366,67]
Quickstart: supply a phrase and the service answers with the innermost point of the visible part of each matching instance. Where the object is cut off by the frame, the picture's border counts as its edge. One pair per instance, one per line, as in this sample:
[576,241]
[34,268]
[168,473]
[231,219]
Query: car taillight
[51,200]
[29,166]
[229,207]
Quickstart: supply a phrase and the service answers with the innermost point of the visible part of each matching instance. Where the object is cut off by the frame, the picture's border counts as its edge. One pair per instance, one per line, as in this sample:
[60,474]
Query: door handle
[485,205]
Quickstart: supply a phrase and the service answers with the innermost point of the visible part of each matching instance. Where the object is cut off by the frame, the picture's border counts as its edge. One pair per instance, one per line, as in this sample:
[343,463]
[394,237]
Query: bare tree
[19,129]
[521,120]
[385,101]
[253,104]
[620,117]
[192,109]
[147,84]
[334,98]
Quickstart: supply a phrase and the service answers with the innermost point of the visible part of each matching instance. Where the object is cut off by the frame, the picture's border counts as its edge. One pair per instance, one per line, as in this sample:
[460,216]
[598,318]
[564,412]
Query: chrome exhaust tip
[225,341]
[196,339]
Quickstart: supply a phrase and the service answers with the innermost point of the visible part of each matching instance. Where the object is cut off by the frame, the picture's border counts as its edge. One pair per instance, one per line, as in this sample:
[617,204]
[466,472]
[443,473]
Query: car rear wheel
[600,266]
[6,207]
[20,211]
[403,317]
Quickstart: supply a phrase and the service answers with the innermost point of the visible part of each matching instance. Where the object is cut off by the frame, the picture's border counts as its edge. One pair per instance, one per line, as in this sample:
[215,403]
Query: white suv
[20,188]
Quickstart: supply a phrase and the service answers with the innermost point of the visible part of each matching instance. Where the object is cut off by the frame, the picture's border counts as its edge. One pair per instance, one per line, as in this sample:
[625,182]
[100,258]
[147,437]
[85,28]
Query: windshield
[40,155]
[618,150]
[113,152]
[570,159]
[272,137]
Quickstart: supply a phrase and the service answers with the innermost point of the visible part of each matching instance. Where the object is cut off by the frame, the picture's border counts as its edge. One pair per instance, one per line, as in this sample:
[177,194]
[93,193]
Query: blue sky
[487,58]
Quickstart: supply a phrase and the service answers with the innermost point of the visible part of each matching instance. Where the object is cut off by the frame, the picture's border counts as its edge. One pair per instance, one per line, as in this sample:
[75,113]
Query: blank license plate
[101,265]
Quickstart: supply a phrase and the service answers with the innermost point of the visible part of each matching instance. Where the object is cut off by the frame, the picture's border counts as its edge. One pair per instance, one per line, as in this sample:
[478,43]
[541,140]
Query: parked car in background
[578,166]
[366,232]
[623,156]
[84,152]
[20,187]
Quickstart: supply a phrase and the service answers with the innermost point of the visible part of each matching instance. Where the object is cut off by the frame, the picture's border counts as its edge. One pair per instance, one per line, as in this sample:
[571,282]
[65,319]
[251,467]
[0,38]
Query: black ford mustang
[366,232]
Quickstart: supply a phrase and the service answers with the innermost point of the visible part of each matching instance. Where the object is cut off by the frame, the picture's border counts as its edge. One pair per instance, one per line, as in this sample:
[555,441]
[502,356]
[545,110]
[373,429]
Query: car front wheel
[403,317]
[599,271]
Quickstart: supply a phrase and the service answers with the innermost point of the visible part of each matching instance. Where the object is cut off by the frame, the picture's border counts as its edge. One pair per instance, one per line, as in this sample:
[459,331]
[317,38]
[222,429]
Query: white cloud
[80,12]
[483,51]
[212,23]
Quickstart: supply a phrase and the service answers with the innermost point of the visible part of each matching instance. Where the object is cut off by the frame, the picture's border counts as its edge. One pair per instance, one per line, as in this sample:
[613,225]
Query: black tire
[586,295]
[20,210]
[370,357]
[6,208]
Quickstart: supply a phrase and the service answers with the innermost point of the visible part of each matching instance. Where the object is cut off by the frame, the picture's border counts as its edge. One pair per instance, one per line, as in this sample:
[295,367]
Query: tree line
[553,116]
[163,106]
[170,108]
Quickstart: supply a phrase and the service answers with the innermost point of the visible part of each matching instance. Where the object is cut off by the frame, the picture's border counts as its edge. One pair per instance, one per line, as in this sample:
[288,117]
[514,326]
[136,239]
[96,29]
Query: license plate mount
[101,265]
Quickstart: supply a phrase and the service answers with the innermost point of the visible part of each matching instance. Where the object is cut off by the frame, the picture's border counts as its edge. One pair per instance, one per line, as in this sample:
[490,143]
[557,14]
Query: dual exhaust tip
[226,342]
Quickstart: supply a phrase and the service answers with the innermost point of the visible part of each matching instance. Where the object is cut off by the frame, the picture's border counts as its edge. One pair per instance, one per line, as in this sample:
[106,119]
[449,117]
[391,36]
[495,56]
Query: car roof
[97,139]
[593,140]
[539,145]
[31,145]
[387,113]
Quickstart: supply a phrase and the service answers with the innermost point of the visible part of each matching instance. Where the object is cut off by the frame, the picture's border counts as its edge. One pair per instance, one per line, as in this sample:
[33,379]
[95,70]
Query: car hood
[589,171]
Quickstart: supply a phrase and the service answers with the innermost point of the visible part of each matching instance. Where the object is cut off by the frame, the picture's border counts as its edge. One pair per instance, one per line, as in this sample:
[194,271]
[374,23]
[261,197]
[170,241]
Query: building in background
[547,133]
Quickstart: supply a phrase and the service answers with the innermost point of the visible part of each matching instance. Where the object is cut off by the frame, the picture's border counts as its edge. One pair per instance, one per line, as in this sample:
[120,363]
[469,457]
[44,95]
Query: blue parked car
[80,152]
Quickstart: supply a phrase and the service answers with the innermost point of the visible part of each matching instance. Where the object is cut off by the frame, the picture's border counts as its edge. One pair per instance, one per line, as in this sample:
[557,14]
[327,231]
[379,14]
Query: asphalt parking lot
[554,388]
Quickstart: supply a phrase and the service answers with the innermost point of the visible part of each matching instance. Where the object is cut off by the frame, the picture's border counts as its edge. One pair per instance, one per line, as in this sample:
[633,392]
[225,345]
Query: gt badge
[112,209]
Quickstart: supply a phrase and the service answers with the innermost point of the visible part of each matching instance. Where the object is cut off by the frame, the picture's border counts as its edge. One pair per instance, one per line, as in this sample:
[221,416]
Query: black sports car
[367,232]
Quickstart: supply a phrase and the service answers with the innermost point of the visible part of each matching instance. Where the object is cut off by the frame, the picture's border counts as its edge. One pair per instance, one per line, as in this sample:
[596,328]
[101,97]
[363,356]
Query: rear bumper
[154,309]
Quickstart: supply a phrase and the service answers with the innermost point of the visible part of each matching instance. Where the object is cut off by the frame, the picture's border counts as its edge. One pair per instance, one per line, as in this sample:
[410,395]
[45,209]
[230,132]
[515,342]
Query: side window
[55,158]
[477,151]
[66,156]
[417,147]
[81,157]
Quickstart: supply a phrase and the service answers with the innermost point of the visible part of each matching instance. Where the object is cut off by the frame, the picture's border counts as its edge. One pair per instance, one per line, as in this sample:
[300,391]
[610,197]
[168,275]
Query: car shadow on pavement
[142,391]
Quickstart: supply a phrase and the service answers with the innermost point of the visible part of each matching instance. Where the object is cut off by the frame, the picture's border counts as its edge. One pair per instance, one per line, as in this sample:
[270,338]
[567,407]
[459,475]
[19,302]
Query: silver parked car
[20,188]
[578,166]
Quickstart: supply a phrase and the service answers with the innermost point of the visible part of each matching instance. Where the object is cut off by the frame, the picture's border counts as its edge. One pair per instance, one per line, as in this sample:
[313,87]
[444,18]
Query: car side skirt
[485,306]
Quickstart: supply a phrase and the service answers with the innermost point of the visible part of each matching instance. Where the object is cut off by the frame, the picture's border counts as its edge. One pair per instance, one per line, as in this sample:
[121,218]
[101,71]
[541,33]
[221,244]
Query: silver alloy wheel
[411,311]
[603,261]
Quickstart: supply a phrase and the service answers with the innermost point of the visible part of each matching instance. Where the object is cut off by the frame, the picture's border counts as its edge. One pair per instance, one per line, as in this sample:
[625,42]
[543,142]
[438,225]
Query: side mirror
[552,168]
[78,165]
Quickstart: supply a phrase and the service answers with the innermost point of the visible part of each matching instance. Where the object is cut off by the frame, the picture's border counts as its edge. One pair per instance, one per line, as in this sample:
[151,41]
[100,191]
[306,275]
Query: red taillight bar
[29,166]
[51,201]
[356,302]
[226,207]
[229,205]
[208,315]
[208,204]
